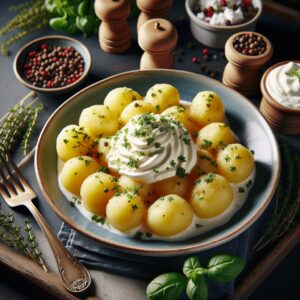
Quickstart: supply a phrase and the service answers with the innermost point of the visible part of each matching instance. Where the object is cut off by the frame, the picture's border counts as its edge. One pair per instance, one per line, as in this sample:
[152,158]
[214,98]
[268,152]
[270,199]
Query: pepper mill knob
[151,9]
[158,38]
[114,30]
[242,72]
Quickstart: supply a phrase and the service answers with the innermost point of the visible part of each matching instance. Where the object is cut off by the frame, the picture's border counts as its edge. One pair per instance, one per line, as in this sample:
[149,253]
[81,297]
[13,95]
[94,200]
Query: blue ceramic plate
[244,118]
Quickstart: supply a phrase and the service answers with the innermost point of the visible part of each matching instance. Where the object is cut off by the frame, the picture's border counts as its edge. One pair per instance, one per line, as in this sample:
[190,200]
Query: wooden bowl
[52,40]
[281,118]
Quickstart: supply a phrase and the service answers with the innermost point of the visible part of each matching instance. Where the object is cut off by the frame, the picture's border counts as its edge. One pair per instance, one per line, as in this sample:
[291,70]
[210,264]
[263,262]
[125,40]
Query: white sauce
[198,225]
[151,148]
[284,88]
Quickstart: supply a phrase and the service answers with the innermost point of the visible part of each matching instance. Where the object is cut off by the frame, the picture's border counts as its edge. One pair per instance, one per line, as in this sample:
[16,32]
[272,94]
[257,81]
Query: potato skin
[235,162]
[96,190]
[137,107]
[206,163]
[211,196]
[73,141]
[161,96]
[174,185]
[180,114]
[75,171]
[118,98]
[99,120]
[214,136]
[143,189]
[125,211]
[206,108]
[169,215]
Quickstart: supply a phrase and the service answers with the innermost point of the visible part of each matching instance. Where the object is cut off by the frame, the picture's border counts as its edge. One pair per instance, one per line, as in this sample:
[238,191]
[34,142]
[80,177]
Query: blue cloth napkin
[98,256]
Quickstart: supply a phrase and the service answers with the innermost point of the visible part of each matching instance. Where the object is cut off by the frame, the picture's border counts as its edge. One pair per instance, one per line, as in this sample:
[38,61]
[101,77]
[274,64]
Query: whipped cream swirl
[151,148]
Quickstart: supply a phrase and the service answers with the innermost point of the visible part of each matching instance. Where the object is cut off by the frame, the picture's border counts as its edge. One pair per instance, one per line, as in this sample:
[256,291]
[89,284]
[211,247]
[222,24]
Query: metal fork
[16,191]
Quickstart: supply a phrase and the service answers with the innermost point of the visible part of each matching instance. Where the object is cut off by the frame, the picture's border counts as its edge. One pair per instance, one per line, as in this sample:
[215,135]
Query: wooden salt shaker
[114,30]
[151,9]
[158,38]
[242,72]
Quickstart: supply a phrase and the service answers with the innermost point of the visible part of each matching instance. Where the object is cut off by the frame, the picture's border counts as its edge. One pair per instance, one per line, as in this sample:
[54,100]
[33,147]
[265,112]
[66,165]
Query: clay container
[158,38]
[151,9]
[114,30]
[281,118]
[242,72]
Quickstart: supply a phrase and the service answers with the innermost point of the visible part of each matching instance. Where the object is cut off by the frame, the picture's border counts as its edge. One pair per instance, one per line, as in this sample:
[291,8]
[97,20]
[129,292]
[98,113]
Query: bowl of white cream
[280,104]
[214,32]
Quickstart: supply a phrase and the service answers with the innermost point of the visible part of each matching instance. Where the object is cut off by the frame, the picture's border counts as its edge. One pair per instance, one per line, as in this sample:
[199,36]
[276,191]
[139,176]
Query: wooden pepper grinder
[151,9]
[114,30]
[158,38]
[246,53]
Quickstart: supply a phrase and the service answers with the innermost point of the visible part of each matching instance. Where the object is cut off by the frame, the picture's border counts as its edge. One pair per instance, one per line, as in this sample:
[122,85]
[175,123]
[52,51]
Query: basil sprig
[170,286]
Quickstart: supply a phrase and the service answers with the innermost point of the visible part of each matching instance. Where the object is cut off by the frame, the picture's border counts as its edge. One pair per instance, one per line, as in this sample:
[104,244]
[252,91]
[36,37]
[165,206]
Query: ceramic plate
[244,118]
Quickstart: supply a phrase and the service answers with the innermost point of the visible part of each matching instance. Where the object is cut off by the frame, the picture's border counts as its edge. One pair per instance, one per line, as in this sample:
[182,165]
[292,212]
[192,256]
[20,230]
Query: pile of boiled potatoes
[166,207]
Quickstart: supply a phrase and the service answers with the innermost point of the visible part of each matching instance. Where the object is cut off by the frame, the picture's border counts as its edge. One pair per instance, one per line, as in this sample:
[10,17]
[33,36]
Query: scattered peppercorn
[53,66]
[205,51]
[249,44]
[195,60]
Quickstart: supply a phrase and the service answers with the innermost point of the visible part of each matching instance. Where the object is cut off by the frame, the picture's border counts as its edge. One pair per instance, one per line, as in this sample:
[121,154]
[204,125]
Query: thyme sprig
[31,15]
[287,198]
[20,123]
[12,235]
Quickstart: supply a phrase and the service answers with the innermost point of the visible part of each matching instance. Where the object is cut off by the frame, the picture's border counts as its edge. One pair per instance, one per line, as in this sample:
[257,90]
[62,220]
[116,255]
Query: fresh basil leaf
[54,7]
[168,286]
[190,265]
[83,8]
[224,267]
[85,24]
[197,290]
[60,23]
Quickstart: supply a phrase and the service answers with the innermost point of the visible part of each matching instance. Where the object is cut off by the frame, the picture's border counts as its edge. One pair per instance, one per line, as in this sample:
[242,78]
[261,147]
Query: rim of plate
[182,249]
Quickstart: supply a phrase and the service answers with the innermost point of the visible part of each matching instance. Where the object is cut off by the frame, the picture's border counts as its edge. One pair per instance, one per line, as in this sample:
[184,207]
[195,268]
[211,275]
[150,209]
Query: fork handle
[74,275]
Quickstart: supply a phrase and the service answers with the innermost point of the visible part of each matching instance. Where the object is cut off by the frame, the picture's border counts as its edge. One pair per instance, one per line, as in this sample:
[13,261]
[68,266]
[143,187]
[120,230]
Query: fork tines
[11,181]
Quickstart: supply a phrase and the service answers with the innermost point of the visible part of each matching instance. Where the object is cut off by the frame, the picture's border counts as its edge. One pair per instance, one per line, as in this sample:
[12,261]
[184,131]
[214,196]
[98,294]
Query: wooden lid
[157,36]
[154,5]
[112,10]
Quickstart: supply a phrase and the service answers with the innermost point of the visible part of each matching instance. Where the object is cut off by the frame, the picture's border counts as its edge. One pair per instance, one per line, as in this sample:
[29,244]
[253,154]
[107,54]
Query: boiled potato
[137,107]
[162,96]
[179,113]
[211,195]
[141,188]
[206,108]
[214,136]
[235,162]
[118,98]
[73,141]
[169,215]
[75,171]
[99,120]
[206,163]
[104,147]
[96,190]
[125,211]
[173,185]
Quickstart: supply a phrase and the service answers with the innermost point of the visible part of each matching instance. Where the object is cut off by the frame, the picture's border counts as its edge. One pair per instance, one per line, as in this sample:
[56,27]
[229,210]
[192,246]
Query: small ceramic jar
[242,72]
[282,118]
[114,30]
[158,38]
[151,9]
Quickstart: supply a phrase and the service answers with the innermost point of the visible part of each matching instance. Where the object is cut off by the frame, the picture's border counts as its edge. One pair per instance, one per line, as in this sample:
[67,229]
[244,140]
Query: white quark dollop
[283,84]
[151,148]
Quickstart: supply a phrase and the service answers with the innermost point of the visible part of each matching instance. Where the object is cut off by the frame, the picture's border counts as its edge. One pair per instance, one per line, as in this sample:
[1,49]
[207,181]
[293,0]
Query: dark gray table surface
[284,35]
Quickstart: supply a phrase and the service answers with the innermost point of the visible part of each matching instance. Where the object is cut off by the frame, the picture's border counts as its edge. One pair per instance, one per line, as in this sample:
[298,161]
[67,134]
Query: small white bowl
[215,36]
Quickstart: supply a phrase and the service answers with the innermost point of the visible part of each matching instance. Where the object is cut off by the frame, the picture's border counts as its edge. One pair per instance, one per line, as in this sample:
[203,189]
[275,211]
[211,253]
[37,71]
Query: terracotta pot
[242,72]
[281,118]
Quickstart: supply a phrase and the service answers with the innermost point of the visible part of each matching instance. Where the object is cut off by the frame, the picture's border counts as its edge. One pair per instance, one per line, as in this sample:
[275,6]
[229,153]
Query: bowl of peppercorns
[52,64]
[212,22]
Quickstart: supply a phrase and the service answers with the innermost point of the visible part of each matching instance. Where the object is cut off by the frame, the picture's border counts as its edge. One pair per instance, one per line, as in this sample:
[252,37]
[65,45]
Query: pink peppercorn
[205,51]
[195,60]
